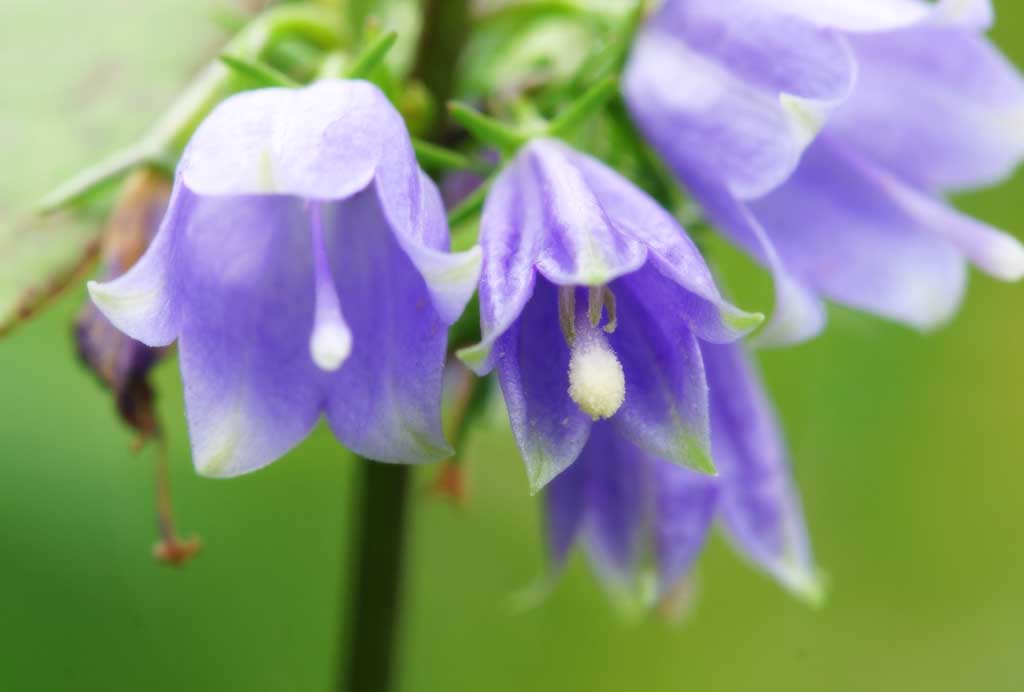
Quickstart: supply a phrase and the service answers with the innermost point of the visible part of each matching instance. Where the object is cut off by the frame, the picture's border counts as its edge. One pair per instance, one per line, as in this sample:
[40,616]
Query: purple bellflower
[593,302]
[640,516]
[302,267]
[822,136]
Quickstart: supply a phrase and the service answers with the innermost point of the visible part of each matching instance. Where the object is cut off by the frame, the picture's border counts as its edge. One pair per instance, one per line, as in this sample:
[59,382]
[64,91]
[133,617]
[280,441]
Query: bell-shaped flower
[641,517]
[593,302]
[860,219]
[302,267]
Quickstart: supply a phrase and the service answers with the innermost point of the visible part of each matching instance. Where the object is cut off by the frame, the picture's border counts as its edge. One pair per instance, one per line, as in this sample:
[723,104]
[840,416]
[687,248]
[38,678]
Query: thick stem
[445,27]
[372,609]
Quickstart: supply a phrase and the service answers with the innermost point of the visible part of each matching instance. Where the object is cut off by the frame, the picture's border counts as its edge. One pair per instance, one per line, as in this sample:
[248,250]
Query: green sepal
[258,71]
[372,56]
[486,129]
[583,108]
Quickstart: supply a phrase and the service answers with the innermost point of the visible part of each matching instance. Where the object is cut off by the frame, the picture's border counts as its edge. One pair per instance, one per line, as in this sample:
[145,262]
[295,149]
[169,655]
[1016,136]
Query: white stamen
[330,343]
[596,381]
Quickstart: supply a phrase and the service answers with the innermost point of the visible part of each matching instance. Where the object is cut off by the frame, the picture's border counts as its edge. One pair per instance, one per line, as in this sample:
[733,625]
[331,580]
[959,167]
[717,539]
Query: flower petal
[412,203]
[251,389]
[510,239]
[687,503]
[799,314]
[760,507]
[533,369]
[618,503]
[635,215]
[143,302]
[541,215]
[322,142]
[858,15]
[736,88]
[843,234]
[665,411]
[384,402]
[565,506]
[959,119]
[579,244]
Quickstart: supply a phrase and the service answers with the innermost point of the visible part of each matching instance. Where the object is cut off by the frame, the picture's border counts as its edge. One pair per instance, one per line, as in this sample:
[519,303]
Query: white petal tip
[1006,261]
[810,587]
[806,117]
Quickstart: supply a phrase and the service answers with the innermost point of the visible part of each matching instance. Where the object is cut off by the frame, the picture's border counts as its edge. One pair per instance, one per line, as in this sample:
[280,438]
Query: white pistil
[330,343]
[596,381]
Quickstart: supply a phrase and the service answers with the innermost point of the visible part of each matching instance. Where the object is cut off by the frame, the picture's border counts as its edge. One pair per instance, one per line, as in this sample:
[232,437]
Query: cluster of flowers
[303,266]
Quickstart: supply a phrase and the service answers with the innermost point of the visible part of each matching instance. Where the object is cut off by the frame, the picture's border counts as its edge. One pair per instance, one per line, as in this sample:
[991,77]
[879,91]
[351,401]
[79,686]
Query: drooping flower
[121,363]
[640,516]
[303,268]
[908,101]
[593,301]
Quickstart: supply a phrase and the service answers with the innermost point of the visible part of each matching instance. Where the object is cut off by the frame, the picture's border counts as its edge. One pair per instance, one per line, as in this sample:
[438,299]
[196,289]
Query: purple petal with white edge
[533,365]
[665,411]
[968,14]
[842,233]
[618,503]
[251,389]
[541,214]
[329,141]
[143,302]
[760,507]
[699,86]
[384,402]
[799,314]
[959,119]
[634,214]
[858,15]
[579,244]
[413,206]
[686,506]
[322,142]
[995,252]
[510,237]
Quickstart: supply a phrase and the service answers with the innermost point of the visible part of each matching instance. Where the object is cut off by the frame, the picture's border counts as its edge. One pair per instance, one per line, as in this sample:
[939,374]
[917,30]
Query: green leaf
[42,257]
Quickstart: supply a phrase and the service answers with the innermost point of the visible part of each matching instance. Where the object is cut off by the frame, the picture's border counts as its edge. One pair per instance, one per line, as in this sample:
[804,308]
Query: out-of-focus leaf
[39,258]
[522,46]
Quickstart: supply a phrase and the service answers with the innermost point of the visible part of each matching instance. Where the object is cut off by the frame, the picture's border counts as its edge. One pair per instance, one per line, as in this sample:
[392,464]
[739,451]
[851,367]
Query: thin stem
[374,599]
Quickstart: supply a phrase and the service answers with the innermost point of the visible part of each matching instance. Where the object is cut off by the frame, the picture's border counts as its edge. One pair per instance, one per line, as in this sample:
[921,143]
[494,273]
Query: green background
[907,449]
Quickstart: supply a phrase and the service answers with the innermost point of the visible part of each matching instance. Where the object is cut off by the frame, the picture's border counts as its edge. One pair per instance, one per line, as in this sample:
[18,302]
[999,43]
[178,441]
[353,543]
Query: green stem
[373,608]
[445,28]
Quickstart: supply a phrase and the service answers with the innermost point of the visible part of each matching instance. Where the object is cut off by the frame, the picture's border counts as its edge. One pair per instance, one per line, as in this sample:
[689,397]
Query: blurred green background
[907,449]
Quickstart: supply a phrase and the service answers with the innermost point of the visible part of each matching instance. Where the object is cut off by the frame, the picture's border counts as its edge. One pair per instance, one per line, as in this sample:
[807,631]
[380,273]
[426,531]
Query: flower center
[330,342]
[596,381]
